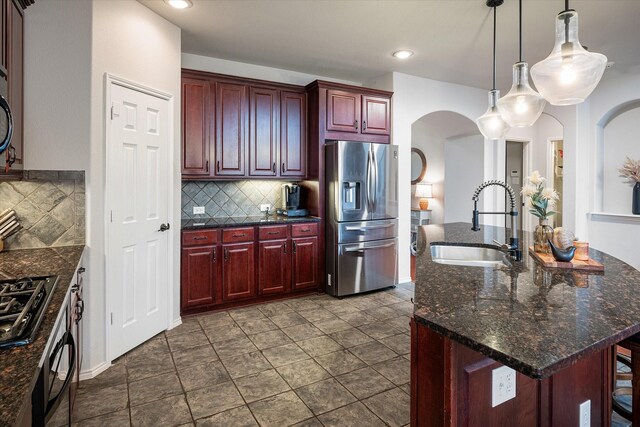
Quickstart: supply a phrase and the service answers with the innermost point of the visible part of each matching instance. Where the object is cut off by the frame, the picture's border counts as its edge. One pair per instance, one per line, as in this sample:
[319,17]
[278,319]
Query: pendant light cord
[520,16]
[494,48]
[566,21]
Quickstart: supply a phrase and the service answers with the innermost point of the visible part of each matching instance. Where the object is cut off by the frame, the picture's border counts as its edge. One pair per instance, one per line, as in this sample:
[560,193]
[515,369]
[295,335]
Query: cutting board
[547,260]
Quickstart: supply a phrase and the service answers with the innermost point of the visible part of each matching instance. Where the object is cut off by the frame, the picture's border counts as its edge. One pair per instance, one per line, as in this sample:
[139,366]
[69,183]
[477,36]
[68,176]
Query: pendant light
[522,106]
[570,73]
[491,123]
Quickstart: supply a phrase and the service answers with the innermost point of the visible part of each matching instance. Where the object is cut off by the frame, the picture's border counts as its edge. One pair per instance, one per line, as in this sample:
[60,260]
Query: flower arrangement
[541,199]
[630,170]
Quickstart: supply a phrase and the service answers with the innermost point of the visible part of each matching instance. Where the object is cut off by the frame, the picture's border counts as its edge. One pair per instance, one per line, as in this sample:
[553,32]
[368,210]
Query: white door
[137,185]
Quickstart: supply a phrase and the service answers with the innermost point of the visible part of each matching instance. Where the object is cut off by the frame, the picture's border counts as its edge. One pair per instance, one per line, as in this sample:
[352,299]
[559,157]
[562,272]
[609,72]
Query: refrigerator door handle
[368,180]
[388,245]
[375,179]
[369,228]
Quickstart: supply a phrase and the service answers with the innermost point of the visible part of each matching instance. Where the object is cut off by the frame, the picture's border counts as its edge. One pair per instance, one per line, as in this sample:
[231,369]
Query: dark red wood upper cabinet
[264,109]
[343,111]
[305,262]
[274,267]
[230,129]
[238,271]
[376,115]
[195,133]
[293,134]
[199,276]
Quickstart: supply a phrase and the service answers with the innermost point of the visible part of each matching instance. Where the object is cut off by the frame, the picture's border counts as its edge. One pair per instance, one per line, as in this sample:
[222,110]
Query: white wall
[621,139]
[463,172]
[69,46]
[57,85]
[241,69]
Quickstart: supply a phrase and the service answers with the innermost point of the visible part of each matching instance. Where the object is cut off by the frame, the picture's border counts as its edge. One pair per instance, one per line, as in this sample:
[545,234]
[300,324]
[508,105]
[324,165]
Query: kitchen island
[555,328]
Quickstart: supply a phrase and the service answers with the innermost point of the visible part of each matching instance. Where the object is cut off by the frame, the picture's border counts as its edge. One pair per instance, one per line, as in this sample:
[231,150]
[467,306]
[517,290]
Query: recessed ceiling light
[179,4]
[402,54]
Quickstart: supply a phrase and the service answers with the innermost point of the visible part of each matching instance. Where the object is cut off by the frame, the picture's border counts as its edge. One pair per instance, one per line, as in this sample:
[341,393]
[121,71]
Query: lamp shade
[570,73]
[491,124]
[522,106]
[424,190]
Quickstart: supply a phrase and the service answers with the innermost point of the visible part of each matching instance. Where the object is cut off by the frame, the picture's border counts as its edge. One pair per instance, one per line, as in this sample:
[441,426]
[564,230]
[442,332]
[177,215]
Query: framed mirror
[6,124]
[418,166]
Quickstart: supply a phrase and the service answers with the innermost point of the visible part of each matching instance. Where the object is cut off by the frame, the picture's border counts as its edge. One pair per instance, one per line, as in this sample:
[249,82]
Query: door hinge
[111,216]
[112,112]
[112,318]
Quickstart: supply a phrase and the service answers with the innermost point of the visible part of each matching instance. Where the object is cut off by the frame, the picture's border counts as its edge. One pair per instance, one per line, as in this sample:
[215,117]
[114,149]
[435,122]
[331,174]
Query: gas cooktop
[22,305]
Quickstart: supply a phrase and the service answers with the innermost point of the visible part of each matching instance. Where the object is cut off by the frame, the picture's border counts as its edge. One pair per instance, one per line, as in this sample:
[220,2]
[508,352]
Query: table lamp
[424,191]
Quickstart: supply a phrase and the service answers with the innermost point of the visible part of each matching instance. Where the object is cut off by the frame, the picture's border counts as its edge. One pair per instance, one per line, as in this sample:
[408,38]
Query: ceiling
[353,40]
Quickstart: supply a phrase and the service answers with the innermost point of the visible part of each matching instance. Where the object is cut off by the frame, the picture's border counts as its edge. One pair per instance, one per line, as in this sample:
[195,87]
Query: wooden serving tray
[547,260]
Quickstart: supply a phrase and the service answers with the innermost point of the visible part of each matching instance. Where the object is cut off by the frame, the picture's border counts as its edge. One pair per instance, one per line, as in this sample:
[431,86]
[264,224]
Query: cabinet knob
[218,165]
[364,125]
[274,168]
[214,254]
[285,248]
[207,166]
[226,254]
[294,247]
[355,125]
[283,169]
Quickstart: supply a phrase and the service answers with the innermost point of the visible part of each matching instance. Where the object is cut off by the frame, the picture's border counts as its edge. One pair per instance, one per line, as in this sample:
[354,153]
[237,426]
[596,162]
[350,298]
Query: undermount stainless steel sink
[472,256]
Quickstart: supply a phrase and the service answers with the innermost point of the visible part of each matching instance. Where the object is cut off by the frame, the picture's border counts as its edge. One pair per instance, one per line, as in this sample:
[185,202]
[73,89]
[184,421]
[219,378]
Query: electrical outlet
[503,385]
[265,207]
[585,414]
[198,210]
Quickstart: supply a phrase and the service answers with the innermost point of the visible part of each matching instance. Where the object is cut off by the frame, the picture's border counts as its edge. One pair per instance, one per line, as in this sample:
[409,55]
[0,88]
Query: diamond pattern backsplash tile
[224,199]
[50,206]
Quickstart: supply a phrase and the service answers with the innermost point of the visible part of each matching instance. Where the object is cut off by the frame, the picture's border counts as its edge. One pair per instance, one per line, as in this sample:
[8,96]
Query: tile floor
[311,361]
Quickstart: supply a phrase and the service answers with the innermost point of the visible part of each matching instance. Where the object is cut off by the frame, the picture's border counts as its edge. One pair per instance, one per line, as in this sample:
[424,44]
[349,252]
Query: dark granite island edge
[205,223]
[591,318]
[19,365]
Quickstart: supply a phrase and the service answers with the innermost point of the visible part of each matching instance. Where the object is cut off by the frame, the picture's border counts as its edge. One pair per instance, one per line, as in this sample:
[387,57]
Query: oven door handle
[67,339]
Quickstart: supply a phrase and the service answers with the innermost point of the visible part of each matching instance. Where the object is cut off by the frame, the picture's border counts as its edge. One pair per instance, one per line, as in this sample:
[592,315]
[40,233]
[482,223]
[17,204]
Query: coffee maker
[291,201]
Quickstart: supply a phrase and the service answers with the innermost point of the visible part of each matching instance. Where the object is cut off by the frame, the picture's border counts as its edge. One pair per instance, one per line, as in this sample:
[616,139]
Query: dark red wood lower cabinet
[238,271]
[274,270]
[451,386]
[305,263]
[199,276]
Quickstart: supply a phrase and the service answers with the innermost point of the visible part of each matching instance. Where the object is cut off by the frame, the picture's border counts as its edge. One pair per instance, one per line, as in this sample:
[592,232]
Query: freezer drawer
[366,266]
[364,231]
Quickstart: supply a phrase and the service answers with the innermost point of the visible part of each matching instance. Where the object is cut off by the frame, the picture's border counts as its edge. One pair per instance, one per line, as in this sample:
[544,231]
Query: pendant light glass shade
[570,73]
[522,105]
[491,123]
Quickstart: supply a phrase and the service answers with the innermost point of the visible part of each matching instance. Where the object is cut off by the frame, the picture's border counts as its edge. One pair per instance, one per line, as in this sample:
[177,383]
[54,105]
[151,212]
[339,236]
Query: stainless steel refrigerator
[362,216]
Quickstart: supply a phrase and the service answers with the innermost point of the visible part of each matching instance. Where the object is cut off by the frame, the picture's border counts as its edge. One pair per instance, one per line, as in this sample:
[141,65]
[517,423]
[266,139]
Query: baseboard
[94,372]
[176,322]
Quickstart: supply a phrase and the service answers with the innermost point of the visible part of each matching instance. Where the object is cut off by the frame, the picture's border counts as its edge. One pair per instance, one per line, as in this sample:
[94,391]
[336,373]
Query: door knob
[164,227]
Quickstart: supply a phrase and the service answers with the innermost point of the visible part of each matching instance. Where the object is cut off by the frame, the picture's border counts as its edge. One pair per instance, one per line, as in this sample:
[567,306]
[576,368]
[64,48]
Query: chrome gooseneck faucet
[513,246]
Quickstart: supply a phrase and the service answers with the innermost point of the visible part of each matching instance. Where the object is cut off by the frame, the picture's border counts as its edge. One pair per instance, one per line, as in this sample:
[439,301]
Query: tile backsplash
[224,199]
[50,206]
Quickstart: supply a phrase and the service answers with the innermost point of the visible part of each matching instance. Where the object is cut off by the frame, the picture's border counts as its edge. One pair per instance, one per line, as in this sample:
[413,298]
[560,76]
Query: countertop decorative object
[550,262]
[542,201]
[196,224]
[630,171]
[562,254]
[582,251]
[532,319]
[18,366]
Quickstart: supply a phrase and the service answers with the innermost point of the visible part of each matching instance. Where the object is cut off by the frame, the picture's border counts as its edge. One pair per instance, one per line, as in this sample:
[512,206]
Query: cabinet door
[230,129]
[343,111]
[263,131]
[195,132]
[238,271]
[293,134]
[305,263]
[274,271]
[199,276]
[15,87]
[376,117]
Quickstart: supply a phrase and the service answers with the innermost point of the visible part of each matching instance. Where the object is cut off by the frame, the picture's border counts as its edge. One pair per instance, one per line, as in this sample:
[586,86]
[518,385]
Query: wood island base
[451,385]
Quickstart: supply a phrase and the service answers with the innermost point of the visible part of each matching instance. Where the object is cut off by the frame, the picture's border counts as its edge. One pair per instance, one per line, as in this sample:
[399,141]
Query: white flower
[528,190]
[536,178]
[550,194]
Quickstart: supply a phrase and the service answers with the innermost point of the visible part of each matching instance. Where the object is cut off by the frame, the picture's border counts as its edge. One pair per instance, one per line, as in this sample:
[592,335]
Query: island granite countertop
[19,365]
[532,319]
[198,224]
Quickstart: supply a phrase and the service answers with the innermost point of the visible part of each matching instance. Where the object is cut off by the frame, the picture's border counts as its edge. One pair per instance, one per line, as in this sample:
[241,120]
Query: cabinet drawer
[272,232]
[199,237]
[237,235]
[302,230]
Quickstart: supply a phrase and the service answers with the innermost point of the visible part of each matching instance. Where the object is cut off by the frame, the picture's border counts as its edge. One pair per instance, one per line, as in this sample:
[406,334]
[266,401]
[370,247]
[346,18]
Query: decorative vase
[542,234]
[636,199]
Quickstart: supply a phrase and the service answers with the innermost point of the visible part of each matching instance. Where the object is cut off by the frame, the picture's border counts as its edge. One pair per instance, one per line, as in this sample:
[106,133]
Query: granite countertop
[18,366]
[196,224]
[534,320]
